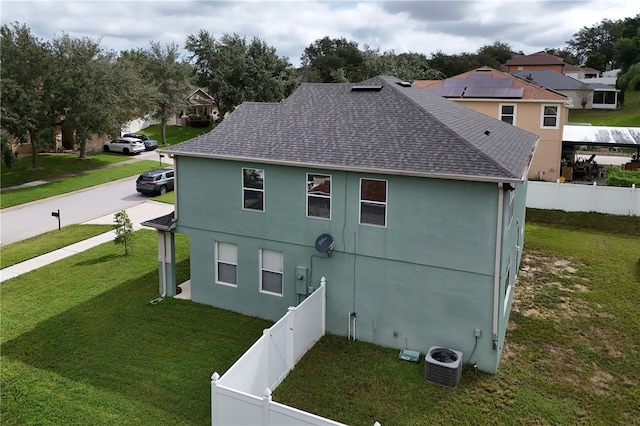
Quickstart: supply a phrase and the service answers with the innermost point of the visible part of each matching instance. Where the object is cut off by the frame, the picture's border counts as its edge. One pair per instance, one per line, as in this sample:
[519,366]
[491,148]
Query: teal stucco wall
[425,279]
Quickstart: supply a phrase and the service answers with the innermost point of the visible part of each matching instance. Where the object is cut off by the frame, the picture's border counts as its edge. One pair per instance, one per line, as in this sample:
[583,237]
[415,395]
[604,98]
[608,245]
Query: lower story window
[271,271]
[226,263]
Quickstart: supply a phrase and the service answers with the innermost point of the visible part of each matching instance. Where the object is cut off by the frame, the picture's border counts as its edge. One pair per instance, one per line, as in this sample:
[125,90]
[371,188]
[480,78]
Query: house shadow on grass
[162,355]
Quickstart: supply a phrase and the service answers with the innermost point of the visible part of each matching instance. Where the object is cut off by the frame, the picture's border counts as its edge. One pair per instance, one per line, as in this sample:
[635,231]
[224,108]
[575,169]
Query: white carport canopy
[601,135]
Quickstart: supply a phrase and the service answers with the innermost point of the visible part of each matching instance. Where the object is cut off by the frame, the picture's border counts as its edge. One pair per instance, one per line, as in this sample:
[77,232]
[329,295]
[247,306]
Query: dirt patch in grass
[546,288]
[551,296]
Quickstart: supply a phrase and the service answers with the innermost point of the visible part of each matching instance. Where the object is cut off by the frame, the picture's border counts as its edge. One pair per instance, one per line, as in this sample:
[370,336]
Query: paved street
[21,222]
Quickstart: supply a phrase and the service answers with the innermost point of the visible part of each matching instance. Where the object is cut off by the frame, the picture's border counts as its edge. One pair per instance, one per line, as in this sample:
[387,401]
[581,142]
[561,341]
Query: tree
[596,61]
[124,230]
[171,79]
[334,61]
[584,92]
[235,71]
[626,52]
[90,97]
[630,80]
[595,39]
[495,54]
[406,66]
[7,154]
[26,101]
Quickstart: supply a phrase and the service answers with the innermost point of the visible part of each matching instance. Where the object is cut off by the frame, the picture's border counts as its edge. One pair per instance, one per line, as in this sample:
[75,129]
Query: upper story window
[253,189]
[508,113]
[226,263]
[550,116]
[373,202]
[271,271]
[319,196]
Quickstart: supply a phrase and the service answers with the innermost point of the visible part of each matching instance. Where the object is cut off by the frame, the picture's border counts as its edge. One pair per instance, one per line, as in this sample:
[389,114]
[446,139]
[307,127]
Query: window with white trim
[271,272]
[253,189]
[226,263]
[550,116]
[319,196]
[508,113]
[373,202]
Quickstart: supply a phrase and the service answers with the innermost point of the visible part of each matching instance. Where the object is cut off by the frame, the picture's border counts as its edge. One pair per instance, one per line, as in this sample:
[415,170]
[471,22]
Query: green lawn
[175,134]
[571,355]
[627,116]
[54,166]
[47,242]
[83,345]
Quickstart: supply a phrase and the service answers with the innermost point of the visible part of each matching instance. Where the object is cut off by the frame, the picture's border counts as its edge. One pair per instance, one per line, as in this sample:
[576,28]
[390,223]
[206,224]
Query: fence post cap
[267,393]
[215,377]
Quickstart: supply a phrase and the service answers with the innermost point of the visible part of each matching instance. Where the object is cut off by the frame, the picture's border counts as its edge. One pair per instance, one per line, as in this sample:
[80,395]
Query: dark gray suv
[155,182]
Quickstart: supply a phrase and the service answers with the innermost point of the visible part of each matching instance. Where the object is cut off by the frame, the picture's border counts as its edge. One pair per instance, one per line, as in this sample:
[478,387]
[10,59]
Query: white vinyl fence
[583,198]
[242,396]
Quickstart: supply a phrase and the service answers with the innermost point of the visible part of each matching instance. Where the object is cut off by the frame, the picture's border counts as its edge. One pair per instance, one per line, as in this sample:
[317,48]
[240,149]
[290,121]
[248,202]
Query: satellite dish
[325,244]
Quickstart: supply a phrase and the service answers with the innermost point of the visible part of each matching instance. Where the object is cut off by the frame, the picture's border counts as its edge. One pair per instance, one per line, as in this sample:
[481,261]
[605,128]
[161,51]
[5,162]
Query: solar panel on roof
[455,82]
[478,92]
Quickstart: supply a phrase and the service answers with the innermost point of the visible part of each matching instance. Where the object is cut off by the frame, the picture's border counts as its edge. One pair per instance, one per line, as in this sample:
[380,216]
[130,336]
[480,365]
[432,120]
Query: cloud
[451,27]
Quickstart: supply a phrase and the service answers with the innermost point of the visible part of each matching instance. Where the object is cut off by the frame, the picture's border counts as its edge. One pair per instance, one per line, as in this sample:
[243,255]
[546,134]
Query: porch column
[166,263]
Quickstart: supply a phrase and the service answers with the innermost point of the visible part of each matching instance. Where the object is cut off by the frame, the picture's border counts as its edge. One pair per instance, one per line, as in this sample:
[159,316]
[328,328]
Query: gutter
[473,178]
[496,270]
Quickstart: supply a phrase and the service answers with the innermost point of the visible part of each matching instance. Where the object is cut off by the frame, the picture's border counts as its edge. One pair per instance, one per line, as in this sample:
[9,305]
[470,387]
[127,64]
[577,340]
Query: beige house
[203,109]
[515,101]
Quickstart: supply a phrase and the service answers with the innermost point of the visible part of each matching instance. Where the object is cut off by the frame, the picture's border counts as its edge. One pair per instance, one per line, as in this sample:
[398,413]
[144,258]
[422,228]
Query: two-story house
[516,101]
[410,205]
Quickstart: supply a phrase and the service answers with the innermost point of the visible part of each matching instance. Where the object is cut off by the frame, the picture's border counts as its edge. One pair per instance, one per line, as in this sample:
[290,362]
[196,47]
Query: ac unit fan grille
[443,366]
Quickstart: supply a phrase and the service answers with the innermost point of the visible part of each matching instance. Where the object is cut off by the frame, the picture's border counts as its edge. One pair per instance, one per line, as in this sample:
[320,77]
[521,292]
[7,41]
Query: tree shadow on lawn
[162,354]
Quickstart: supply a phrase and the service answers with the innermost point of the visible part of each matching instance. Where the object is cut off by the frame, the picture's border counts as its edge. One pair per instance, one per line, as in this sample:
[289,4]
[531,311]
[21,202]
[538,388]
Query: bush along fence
[242,396]
[584,198]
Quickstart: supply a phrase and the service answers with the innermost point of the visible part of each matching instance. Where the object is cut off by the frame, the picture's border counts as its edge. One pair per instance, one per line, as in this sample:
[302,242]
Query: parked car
[155,182]
[124,145]
[149,144]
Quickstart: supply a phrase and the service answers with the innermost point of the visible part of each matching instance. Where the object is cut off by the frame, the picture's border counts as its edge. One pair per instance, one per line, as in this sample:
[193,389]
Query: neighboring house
[544,61]
[410,205]
[203,109]
[516,101]
[583,95]
[535,62]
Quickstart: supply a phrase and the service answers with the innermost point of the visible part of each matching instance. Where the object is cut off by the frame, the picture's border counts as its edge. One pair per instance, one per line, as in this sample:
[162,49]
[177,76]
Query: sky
[451,27]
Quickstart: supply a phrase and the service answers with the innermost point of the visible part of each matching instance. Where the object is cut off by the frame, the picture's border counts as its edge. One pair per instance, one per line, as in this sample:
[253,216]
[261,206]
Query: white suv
[124,145]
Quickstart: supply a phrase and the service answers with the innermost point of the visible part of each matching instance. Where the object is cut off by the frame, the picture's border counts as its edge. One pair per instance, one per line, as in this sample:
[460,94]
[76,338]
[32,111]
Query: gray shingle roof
[552,79]
[396,130]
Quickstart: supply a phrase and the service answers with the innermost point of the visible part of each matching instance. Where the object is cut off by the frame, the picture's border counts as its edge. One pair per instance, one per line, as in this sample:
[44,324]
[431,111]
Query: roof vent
[443,366]
[366,88]
[404,83]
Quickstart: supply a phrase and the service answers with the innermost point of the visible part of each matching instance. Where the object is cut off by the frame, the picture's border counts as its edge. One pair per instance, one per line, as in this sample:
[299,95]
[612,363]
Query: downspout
[496,271]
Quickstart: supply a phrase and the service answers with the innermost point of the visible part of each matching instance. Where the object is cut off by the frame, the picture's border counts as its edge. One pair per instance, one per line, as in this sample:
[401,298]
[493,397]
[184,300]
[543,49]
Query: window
[271,271]
[508,113]
[253,189]
[319,196]
[373,202]
[226,263]
[550,116]
[601,97]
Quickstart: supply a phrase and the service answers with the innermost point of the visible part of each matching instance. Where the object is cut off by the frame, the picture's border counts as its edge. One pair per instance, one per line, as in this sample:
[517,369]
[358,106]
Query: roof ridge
[446,126]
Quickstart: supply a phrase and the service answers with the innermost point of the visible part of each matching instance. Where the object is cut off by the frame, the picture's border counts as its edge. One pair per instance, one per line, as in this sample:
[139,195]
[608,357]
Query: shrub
[619,177]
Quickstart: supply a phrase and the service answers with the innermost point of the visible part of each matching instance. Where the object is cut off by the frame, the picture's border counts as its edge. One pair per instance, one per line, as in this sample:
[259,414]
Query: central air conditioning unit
[443,366]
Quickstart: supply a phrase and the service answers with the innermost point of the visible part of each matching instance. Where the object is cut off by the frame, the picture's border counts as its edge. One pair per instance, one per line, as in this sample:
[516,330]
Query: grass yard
[47,242]
[81,344]
[627,116]
[571,356]
[54,166]
[86,179]
[175,134]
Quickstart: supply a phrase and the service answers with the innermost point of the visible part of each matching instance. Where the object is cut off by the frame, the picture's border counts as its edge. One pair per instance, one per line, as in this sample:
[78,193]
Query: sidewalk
[137,214]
